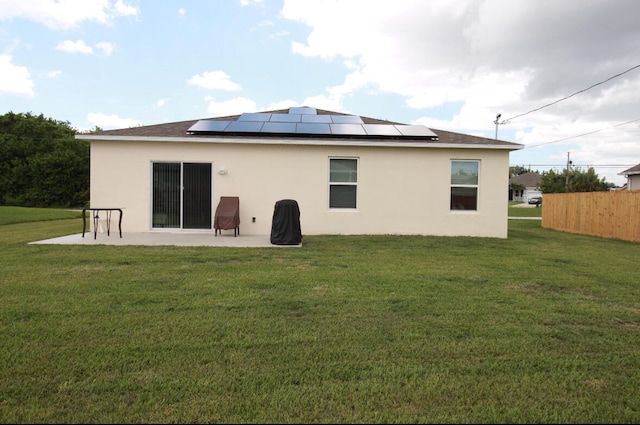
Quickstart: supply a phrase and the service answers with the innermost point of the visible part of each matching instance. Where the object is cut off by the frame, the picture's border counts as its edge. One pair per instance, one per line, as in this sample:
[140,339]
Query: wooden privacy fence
[606,214]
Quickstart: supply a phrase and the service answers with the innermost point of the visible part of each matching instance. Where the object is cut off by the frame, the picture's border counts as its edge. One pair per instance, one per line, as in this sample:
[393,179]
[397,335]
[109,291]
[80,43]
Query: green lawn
[520,211]
[12,215]
[542,327]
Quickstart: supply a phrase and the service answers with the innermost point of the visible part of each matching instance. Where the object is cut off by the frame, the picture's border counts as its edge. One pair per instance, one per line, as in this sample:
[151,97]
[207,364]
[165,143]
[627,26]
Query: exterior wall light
[222,171]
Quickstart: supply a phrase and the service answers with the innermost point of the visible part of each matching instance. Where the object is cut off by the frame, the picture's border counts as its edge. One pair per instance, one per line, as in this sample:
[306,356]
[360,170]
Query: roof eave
[303,142]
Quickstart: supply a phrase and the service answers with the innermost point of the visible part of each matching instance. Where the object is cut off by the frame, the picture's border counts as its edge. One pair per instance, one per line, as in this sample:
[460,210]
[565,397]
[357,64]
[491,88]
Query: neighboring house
[348,174]
[633,177]
[528,187]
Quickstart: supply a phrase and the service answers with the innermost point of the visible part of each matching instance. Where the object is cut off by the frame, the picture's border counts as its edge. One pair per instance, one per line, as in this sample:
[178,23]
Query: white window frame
[475,186]
[341,183]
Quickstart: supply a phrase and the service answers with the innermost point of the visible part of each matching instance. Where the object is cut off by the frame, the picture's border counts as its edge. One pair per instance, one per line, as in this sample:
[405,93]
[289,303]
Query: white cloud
[217,80]
[331,102]
[161,102]
[282,104]
[235,106]
[476,58]
[279,35]
[74,47]
[120,8]
[105,121]
[488,54]
[106,47]
[64,14]
[251,2]
[182,11]
[54,74]
[16,80]
[80,46]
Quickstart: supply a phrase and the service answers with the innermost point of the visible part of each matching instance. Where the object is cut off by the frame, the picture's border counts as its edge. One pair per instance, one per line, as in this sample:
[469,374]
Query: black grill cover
[285,227]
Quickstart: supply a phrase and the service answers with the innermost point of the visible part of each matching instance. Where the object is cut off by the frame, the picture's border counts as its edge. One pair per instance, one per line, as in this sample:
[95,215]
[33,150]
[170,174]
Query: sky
[563,75]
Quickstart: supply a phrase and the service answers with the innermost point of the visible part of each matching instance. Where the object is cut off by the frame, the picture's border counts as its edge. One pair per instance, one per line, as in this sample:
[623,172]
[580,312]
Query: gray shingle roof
[179,130]
[633,170]
[527,179]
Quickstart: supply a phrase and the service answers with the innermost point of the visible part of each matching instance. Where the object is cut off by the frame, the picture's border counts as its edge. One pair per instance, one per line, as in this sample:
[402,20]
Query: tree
[518,170]
[576,181]
[588,182]
[41,163]
[516,187]
[553,182]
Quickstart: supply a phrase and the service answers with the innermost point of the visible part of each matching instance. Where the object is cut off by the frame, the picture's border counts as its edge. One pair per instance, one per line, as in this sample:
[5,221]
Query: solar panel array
[305,121]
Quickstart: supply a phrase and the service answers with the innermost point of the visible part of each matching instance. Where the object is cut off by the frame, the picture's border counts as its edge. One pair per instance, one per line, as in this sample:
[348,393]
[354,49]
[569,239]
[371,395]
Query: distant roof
[300,125]
[630,171]
[527,179]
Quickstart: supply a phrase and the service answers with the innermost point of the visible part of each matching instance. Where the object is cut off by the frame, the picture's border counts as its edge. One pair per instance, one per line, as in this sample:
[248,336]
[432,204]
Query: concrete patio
[166,238]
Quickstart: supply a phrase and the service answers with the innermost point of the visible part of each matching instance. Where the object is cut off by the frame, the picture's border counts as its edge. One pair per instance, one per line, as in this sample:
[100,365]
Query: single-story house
[524,187]
[349,175]
[633,177]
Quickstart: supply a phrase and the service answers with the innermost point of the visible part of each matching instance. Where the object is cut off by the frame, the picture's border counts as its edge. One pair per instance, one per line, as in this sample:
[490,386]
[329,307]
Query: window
[343,183]
[464,185]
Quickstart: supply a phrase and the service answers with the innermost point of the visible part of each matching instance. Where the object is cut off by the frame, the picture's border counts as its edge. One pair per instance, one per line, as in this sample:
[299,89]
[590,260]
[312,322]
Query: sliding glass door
[196,196]
[182,194]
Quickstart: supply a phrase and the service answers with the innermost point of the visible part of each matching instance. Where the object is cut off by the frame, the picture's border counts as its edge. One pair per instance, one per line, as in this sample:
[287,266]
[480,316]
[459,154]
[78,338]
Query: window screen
[464,185]
[343,182]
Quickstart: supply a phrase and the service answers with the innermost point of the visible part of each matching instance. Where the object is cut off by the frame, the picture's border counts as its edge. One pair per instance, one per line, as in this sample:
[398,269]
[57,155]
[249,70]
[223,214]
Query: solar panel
[303,110]
[286,118]
[306,121]
[348,129]
[254,116]
[279,127]
[346,119]
[209,125]
[244,126]
[381,130]
[313,128]
[415,130]
[317,118]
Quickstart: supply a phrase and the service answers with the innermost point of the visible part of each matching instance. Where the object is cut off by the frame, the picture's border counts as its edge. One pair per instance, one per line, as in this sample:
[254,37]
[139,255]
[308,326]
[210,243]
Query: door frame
[181,207]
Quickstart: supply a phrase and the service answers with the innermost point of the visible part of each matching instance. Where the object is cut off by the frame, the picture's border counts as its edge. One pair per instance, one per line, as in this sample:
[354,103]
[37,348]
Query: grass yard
[12,215]
[542,327]
[519,209]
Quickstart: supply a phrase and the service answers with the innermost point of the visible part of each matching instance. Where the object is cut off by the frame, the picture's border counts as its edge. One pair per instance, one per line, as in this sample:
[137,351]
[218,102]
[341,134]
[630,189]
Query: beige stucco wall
[400,190]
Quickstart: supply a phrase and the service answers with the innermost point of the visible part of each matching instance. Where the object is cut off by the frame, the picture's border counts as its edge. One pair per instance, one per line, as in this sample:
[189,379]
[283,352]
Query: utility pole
[567,176]
[496,123]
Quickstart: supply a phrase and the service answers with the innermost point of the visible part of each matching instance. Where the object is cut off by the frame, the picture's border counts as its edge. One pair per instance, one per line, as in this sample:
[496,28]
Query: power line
[583,134]
[571,95]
